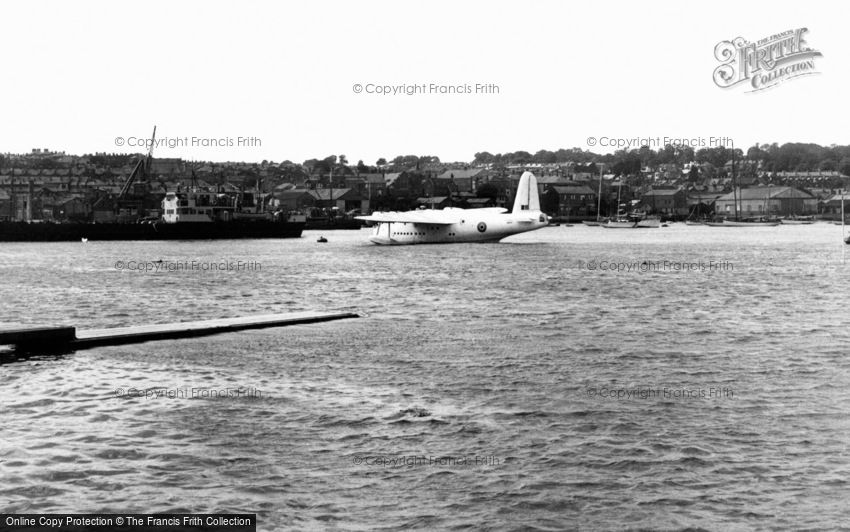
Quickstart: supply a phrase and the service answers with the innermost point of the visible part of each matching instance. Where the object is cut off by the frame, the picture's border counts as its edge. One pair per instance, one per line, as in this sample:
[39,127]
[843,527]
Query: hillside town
[676,184]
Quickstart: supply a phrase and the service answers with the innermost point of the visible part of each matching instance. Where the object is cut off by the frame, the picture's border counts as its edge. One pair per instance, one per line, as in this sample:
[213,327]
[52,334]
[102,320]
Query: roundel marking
[482,227]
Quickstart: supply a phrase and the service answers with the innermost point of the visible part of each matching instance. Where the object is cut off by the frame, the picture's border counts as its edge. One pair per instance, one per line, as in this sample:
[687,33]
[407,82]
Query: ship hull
[339,223]
[58,232]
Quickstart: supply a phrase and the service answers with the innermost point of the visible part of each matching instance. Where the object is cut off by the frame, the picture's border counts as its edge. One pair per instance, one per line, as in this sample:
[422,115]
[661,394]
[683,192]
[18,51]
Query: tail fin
[527,198]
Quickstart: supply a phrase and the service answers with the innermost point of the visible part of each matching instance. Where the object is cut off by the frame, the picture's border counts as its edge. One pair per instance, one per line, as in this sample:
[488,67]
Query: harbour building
[767,201]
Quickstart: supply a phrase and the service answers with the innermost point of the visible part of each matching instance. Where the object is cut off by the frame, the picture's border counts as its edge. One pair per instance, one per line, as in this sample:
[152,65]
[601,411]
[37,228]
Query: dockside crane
[141,170]
[131,204]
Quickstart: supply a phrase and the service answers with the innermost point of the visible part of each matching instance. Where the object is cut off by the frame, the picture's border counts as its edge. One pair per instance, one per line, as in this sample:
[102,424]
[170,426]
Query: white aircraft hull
[452,225]
[472,228]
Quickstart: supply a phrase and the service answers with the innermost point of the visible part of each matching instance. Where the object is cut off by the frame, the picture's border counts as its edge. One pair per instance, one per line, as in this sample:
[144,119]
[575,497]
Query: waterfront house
[574,200]
[831,206]
[762,201]
[669,201]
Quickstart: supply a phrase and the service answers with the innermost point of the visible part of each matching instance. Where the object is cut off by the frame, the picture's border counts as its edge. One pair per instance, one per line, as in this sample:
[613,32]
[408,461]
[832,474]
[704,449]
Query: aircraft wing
[413,217]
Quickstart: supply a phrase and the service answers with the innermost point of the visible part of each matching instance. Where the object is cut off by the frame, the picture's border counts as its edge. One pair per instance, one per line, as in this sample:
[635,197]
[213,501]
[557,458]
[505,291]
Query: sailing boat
[631,220]
[621,221]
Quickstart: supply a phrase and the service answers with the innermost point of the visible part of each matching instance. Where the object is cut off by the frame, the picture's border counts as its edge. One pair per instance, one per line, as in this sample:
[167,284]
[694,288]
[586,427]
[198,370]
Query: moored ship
[224,223]
[194,213]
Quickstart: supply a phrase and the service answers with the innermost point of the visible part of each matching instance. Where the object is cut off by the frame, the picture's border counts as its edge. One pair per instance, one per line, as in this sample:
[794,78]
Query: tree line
[789,157]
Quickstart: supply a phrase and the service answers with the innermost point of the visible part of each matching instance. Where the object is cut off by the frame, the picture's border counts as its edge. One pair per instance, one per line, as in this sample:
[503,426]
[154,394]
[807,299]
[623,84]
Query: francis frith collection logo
[765,63]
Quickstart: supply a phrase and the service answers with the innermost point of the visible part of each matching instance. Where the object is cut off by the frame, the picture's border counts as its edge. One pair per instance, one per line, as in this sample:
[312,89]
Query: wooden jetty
[65,337]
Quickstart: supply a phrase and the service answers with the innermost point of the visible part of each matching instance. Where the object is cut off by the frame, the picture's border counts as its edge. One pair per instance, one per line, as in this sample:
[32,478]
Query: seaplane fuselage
[453,225]
[471,226]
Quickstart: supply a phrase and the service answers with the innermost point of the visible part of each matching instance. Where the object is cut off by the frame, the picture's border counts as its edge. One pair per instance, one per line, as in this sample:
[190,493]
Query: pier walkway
[65,337]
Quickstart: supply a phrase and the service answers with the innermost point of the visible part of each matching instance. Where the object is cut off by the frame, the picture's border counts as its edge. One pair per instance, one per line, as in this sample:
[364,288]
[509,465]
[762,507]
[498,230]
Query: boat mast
[599,196]
[619,186]
[767,203]
[734,185]
[259,203]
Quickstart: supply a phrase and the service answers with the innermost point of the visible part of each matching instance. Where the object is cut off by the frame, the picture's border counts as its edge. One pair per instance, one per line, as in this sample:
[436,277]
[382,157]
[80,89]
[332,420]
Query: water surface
[479,389]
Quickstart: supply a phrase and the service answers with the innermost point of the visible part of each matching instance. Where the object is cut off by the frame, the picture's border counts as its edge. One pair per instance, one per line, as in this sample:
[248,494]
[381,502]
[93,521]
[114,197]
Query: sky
[280,78]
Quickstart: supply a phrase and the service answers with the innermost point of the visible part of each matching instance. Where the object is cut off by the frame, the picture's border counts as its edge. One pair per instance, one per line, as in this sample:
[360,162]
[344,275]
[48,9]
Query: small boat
[322,239]
[798,220]
[729,223]
[693,222]
[620,223]
[591,223]
[633,221]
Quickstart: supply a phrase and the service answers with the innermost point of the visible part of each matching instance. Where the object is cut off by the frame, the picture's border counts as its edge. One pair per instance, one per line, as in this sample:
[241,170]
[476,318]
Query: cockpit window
[542,217]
